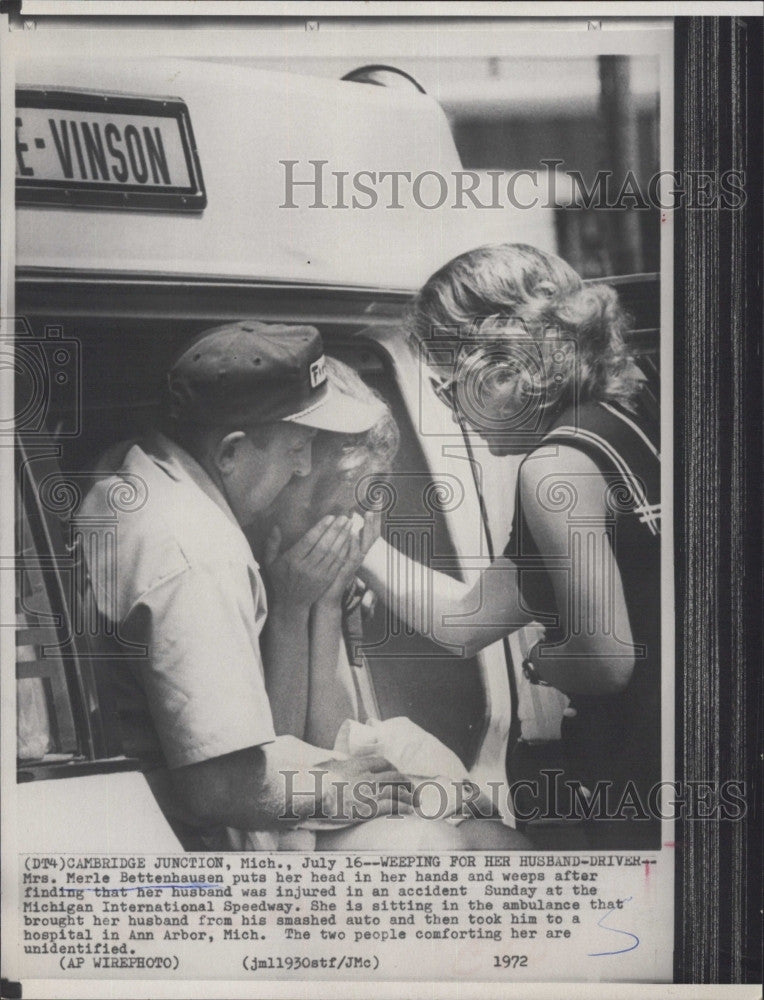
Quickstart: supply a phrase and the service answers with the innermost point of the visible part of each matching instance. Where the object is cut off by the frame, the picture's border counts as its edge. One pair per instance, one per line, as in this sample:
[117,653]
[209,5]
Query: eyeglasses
[445,390]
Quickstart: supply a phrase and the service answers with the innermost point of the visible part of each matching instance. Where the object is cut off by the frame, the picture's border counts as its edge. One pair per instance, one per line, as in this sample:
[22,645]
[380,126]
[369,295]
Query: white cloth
[409,748]
[416,754]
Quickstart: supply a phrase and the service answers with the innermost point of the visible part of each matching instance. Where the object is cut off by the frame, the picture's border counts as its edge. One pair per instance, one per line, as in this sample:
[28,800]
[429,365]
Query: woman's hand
[372,528]
[301,575]
[359,543]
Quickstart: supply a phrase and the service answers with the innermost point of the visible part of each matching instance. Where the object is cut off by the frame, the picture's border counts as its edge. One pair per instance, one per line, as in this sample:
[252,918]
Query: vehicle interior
[122,356]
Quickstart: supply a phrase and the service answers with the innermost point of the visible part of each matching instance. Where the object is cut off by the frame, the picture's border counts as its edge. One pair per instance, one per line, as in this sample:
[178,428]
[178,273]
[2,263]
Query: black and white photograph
[379,399]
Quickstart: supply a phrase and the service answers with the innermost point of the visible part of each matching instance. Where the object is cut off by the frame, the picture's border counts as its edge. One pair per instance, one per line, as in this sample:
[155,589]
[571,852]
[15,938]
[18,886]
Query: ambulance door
[77,784]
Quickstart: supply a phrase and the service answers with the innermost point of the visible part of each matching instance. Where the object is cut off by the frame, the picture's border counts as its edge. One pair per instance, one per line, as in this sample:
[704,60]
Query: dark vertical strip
[620,154]
[717,495]
[747,615]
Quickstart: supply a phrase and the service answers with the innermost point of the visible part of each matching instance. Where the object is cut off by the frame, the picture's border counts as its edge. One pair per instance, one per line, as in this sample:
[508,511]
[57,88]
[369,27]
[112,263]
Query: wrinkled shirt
[181,584]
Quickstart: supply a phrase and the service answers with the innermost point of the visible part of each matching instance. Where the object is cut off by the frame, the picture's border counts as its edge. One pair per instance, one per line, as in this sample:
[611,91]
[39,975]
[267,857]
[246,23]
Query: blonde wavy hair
[501,290]
[382,441]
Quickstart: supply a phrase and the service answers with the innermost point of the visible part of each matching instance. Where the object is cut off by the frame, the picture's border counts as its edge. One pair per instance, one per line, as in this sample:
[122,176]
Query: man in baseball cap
[246,398]
[243,402]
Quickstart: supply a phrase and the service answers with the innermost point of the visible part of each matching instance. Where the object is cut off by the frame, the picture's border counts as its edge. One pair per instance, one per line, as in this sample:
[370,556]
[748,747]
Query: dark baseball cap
[252,372]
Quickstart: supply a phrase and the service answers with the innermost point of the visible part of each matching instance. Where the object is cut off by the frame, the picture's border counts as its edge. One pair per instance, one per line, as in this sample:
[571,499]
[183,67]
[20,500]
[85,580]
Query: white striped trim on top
[645,510]
[649,515]
[634,426]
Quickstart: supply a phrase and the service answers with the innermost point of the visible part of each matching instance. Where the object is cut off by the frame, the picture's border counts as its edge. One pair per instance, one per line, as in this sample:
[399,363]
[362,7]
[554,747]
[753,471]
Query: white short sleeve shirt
[183,585]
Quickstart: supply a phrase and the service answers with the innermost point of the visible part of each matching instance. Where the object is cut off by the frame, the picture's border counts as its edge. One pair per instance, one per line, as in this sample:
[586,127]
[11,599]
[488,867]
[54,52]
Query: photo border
[717,474]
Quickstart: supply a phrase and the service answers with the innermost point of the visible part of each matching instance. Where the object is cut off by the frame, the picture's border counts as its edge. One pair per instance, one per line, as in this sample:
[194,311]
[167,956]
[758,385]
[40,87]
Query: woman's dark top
[612,738]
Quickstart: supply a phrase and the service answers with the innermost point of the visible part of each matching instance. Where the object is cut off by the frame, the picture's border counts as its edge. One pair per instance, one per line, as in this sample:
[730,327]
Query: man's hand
[362,788]
[302,574]
[286,781]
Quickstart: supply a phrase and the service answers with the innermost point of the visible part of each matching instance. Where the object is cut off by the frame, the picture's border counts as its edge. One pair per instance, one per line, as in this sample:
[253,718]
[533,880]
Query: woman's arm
[460,616]
[331,695]
[564,503]
[285,645]
[297,578]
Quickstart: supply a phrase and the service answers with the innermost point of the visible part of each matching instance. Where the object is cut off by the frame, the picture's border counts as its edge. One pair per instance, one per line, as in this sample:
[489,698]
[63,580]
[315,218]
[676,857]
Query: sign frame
[101,194]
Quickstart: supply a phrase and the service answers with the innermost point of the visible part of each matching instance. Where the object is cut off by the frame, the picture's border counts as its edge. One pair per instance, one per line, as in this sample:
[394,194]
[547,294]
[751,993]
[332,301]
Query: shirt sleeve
[203,674]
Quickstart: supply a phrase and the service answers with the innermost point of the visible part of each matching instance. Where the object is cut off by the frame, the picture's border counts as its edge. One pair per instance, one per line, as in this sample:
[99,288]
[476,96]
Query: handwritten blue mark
[148,885]
[615,930]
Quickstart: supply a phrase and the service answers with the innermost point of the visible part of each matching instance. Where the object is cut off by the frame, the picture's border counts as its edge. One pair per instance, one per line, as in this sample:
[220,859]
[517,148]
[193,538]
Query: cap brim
[340,413]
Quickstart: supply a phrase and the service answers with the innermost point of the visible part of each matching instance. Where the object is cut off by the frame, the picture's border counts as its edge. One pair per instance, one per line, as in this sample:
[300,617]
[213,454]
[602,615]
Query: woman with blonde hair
[312,705]
[535,362]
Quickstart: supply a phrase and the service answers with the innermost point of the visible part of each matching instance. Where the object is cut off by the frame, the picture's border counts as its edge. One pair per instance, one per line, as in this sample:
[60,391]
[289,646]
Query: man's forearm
[259,788]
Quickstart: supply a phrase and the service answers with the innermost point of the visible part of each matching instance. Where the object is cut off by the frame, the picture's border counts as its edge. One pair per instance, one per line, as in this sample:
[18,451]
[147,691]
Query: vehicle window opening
[45,720]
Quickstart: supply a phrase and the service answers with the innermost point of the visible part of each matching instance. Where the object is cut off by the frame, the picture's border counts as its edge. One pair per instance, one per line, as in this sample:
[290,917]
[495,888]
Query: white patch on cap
[318,372]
